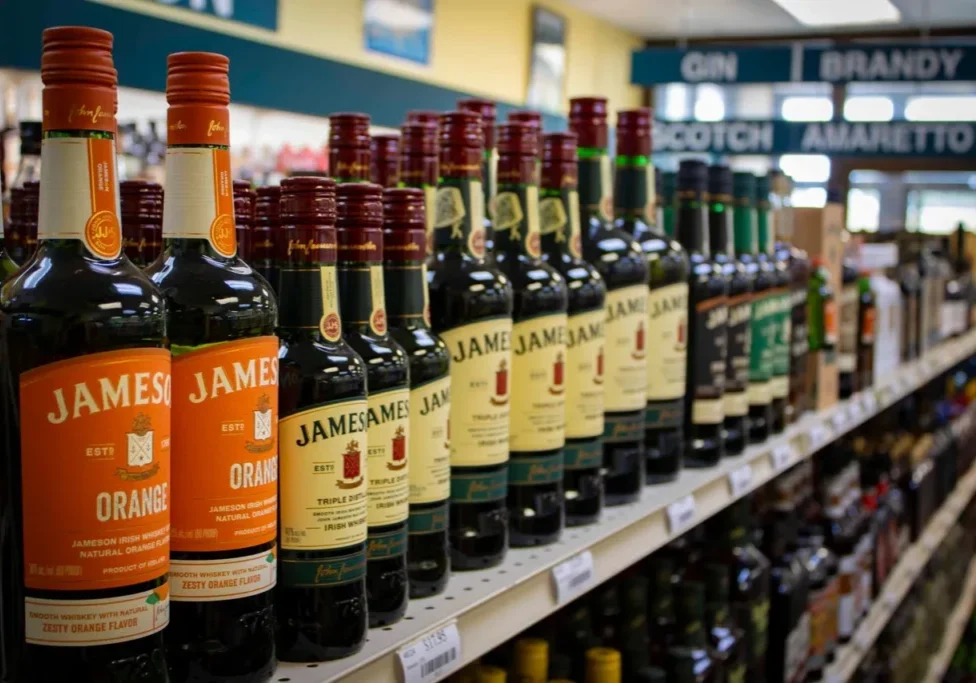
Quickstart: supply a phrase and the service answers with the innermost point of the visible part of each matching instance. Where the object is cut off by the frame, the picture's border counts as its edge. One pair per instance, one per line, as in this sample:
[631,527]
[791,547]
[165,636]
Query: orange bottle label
[225,446]
[95,452]
[867,326]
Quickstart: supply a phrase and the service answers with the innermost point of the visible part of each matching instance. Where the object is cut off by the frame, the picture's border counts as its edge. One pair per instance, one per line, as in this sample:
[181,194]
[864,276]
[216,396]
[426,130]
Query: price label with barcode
[681,514]
[740,480]
[573,577]
[781,457]
[432,656]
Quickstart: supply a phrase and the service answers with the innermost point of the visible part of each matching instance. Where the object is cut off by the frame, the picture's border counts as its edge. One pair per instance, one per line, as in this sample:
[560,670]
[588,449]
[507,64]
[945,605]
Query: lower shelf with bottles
[962,616]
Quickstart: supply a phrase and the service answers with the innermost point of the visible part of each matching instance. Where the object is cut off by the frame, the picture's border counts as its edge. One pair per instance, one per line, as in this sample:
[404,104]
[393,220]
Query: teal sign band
[427,521]
[330,572]
[665,414]
[621,427]
[583,455]
[389,544]
[479,487]
[260,13]
[528,470]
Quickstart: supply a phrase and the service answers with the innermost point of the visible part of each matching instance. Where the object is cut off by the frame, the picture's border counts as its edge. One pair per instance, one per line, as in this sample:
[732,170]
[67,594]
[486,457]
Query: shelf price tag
[432,656]
[782,456]
[870,403]
[740,480]
[839,420]
[681,514]
[572,578]
[818,437]
[854,411]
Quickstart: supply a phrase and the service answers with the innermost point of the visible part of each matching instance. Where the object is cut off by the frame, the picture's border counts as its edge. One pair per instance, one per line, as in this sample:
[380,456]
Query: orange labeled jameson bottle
[349,148]
[260,248]
[624,270]
[471,310]
[142,220]
[384,160]
[221,317]
[83,366]
[405,278]
[562,248]
[320,599]
[418,168]
[537,431]
[489,163]
[359,219]
[244,199]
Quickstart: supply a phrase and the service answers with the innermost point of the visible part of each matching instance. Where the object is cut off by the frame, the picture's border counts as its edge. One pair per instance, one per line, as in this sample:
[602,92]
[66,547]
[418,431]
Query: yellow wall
[478,46]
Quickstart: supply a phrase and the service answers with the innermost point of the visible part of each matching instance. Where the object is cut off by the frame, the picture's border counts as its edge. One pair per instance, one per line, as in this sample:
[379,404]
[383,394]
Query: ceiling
[716,18]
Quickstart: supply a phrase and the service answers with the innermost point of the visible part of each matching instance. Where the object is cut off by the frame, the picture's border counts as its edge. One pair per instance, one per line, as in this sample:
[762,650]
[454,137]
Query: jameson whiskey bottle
[261,246]
[141,203]
[735,399]
[708,314]
[562,248]
[779,383]
[489,165]
[384,160]
[225,396]
[471,310]
[349,151]
[538,421]
[418,168]
[359,223]
[623,267]
[405,283]
[667,325]
[244,199]
[321,593]
[84,365]
[533,120]
[761,333]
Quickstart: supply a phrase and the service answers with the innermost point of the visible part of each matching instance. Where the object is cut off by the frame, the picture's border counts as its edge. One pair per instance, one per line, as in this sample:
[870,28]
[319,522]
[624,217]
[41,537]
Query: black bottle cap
[744,185]
[719,180]
[692,176]
[30,138]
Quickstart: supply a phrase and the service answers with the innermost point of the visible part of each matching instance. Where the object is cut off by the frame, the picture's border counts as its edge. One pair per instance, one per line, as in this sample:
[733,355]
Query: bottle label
[781,353]
[330,326]
[560,217]
[377,317]
[530,470]
[389,472]
[668,339]
[323,474]
[583,455]
[428,520]
[521,222]
[225,445]
[199,200]
[584,374]
[868,316]
[846,603]
[479,487]
[333,571]
[109,416]
[458,205]
[386,545]
[538,420]
[708,379]
[481,357]
[761,343]
[81,199]
[847,339]
[625,349]
[736,399]
[229,579]
[430,447]
[596,186]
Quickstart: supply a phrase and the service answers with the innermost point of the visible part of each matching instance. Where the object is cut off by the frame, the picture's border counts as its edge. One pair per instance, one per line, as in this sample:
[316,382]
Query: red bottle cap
[559,160]
[488,112]
[359,218]
[423,116]
[418,139]
[267,212]
[141,200]
[244,198]
[404,224]
[198,92]
[532,118]
[384,162]
[588,119]
[634,132]
[307,199]
[349,145]
[517,138]
[79,79]
[461,144]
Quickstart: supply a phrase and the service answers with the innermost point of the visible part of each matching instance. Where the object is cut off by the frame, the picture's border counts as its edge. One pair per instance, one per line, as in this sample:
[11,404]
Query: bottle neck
[690,221]
[359,271]
[516,211]
[349,164]
[690,620]
[595,190]
[720,225]
[764,228]
[559,222]
[307,285]
[198,206]
[29,169]
[746,227]
[489,172]
[633,191]
[717,613]
[406,293]
[459,224]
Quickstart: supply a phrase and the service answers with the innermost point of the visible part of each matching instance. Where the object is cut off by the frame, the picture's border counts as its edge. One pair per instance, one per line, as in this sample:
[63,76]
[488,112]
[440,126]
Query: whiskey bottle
[726,638]
[244,200]
[359,224]
[779,383]
[264,235]
[471,310]
[225,395]
[708,314]
[537,431]
[563,250]
[735,399]
[666,198]
[822,310]
[489,165]
[29,166]
[384,160]
[405,283]
[635,208]
[24,209]
[418,168]
[141,205]
[349,148]
[84,365]
[320,598]
[866,317]
[690,659]
[7,265]
[623,267]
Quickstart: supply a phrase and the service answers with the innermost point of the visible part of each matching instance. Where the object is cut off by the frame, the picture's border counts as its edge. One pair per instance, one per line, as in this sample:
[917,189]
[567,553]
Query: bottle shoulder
[386,362]
[427,353]
[313,373]
[537,286]
[616,254]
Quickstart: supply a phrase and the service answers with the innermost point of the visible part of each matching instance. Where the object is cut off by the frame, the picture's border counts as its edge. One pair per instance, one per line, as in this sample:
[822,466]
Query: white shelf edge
[493,605]
[955,628]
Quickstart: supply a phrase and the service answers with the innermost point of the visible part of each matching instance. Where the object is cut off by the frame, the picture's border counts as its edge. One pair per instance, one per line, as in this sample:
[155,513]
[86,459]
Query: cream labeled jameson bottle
[225,396]
[471,310]
[84,367]
[562,248]
[418,168]
[321,593]
[538,420]
[405,280]
[359,219]
[623,267]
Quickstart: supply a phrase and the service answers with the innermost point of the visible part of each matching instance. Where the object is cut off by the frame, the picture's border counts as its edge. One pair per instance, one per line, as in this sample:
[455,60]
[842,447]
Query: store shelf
[902,578]
[490,606]
[954,629]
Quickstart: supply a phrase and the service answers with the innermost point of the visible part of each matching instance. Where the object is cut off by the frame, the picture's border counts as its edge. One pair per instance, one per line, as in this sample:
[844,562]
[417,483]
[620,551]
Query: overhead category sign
[864,62]
[833,138]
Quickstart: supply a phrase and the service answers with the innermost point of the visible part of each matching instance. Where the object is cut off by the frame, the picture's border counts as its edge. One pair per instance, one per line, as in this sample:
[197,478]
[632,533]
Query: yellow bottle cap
[491,674]
[531,660]
[602,665]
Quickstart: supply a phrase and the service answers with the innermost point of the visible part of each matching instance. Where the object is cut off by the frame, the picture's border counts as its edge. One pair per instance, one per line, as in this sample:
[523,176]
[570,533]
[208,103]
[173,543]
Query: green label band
[586,455]
[480,487]
[528,470]
[622,427]
[389,544]
[330,572]
[664,414]
[427,521]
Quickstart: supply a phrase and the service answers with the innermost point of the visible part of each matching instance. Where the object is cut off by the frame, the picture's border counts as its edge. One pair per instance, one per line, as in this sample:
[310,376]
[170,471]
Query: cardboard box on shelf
[823,382]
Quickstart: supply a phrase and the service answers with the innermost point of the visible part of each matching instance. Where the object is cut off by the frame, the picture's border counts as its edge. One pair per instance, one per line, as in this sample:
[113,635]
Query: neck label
[517,220]
[460,217]
[199,199]
[560,221]
[330,325]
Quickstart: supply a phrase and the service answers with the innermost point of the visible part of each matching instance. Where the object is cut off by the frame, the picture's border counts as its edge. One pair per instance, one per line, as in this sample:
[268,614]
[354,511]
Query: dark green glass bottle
[708,314]
[488,113]
[562,248]
[782,321]
[667,322]
[690,659]
[866,319]
[623,267]
[7,265]
[726,637]
[847,340]
[666,198]
[821,310]
[659,568]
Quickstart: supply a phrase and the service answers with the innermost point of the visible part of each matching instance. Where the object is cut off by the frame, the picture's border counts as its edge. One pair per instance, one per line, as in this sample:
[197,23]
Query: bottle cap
[384,146]
[487,111]
[424,116]
[266,206]
[349,130]
[141,200]
[244,198]
[491,674]
[692,176]
[532,657]
[308,199]
[418,139]
[517,138]
[603,663]
[588,119]
[404,209]
[559,160]
[461,129]
[532,118]
[79,79]
[359,205]
[198,92]
[384,160]
[744,185]
[559,147]
[719,181]
[634,132]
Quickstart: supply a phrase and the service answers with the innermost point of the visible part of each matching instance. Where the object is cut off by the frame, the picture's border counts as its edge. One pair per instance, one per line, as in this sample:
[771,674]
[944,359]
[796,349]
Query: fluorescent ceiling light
[841,12]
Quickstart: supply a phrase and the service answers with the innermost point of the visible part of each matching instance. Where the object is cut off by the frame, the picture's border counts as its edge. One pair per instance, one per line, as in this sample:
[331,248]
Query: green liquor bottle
[690,659]
[821,310]
[666,198]
[487,112]
[727,639]
[782,319]
[418,168]
[866,318]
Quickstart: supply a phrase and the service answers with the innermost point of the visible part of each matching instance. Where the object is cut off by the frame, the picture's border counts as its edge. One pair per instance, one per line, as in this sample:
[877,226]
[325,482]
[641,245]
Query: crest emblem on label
[330,327]
[377,321]
[262,425]
[639,343]
[399,450]
[508,213]
[533,245]
[103,234]
[501,385]
[352,475]
[449,211]
[598,378]
[140,449]
[223,235]
[681,339]
[558,376]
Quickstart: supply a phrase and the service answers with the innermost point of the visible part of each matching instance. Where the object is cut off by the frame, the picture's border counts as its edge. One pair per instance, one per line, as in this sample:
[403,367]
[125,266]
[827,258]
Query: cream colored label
[584,374]
[388,417]
[481,360]
[626,349]
[606,179]
[510,216]
[846,362]
[192,205]
[214,580]
[553,218]
[423,275]
[330,325]
[539,384]
[96,622]
[735,403]
[707,411]
[430,206]
[322,477]
[667,312]
[377,319]
[575,236]
[533,245]
[430,449]
[650,208]
[477,199]
[779,387]
[760,393]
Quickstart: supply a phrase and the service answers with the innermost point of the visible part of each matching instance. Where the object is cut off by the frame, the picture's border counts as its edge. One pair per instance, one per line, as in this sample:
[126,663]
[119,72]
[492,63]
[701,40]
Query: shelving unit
[489,607]
[955,628]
